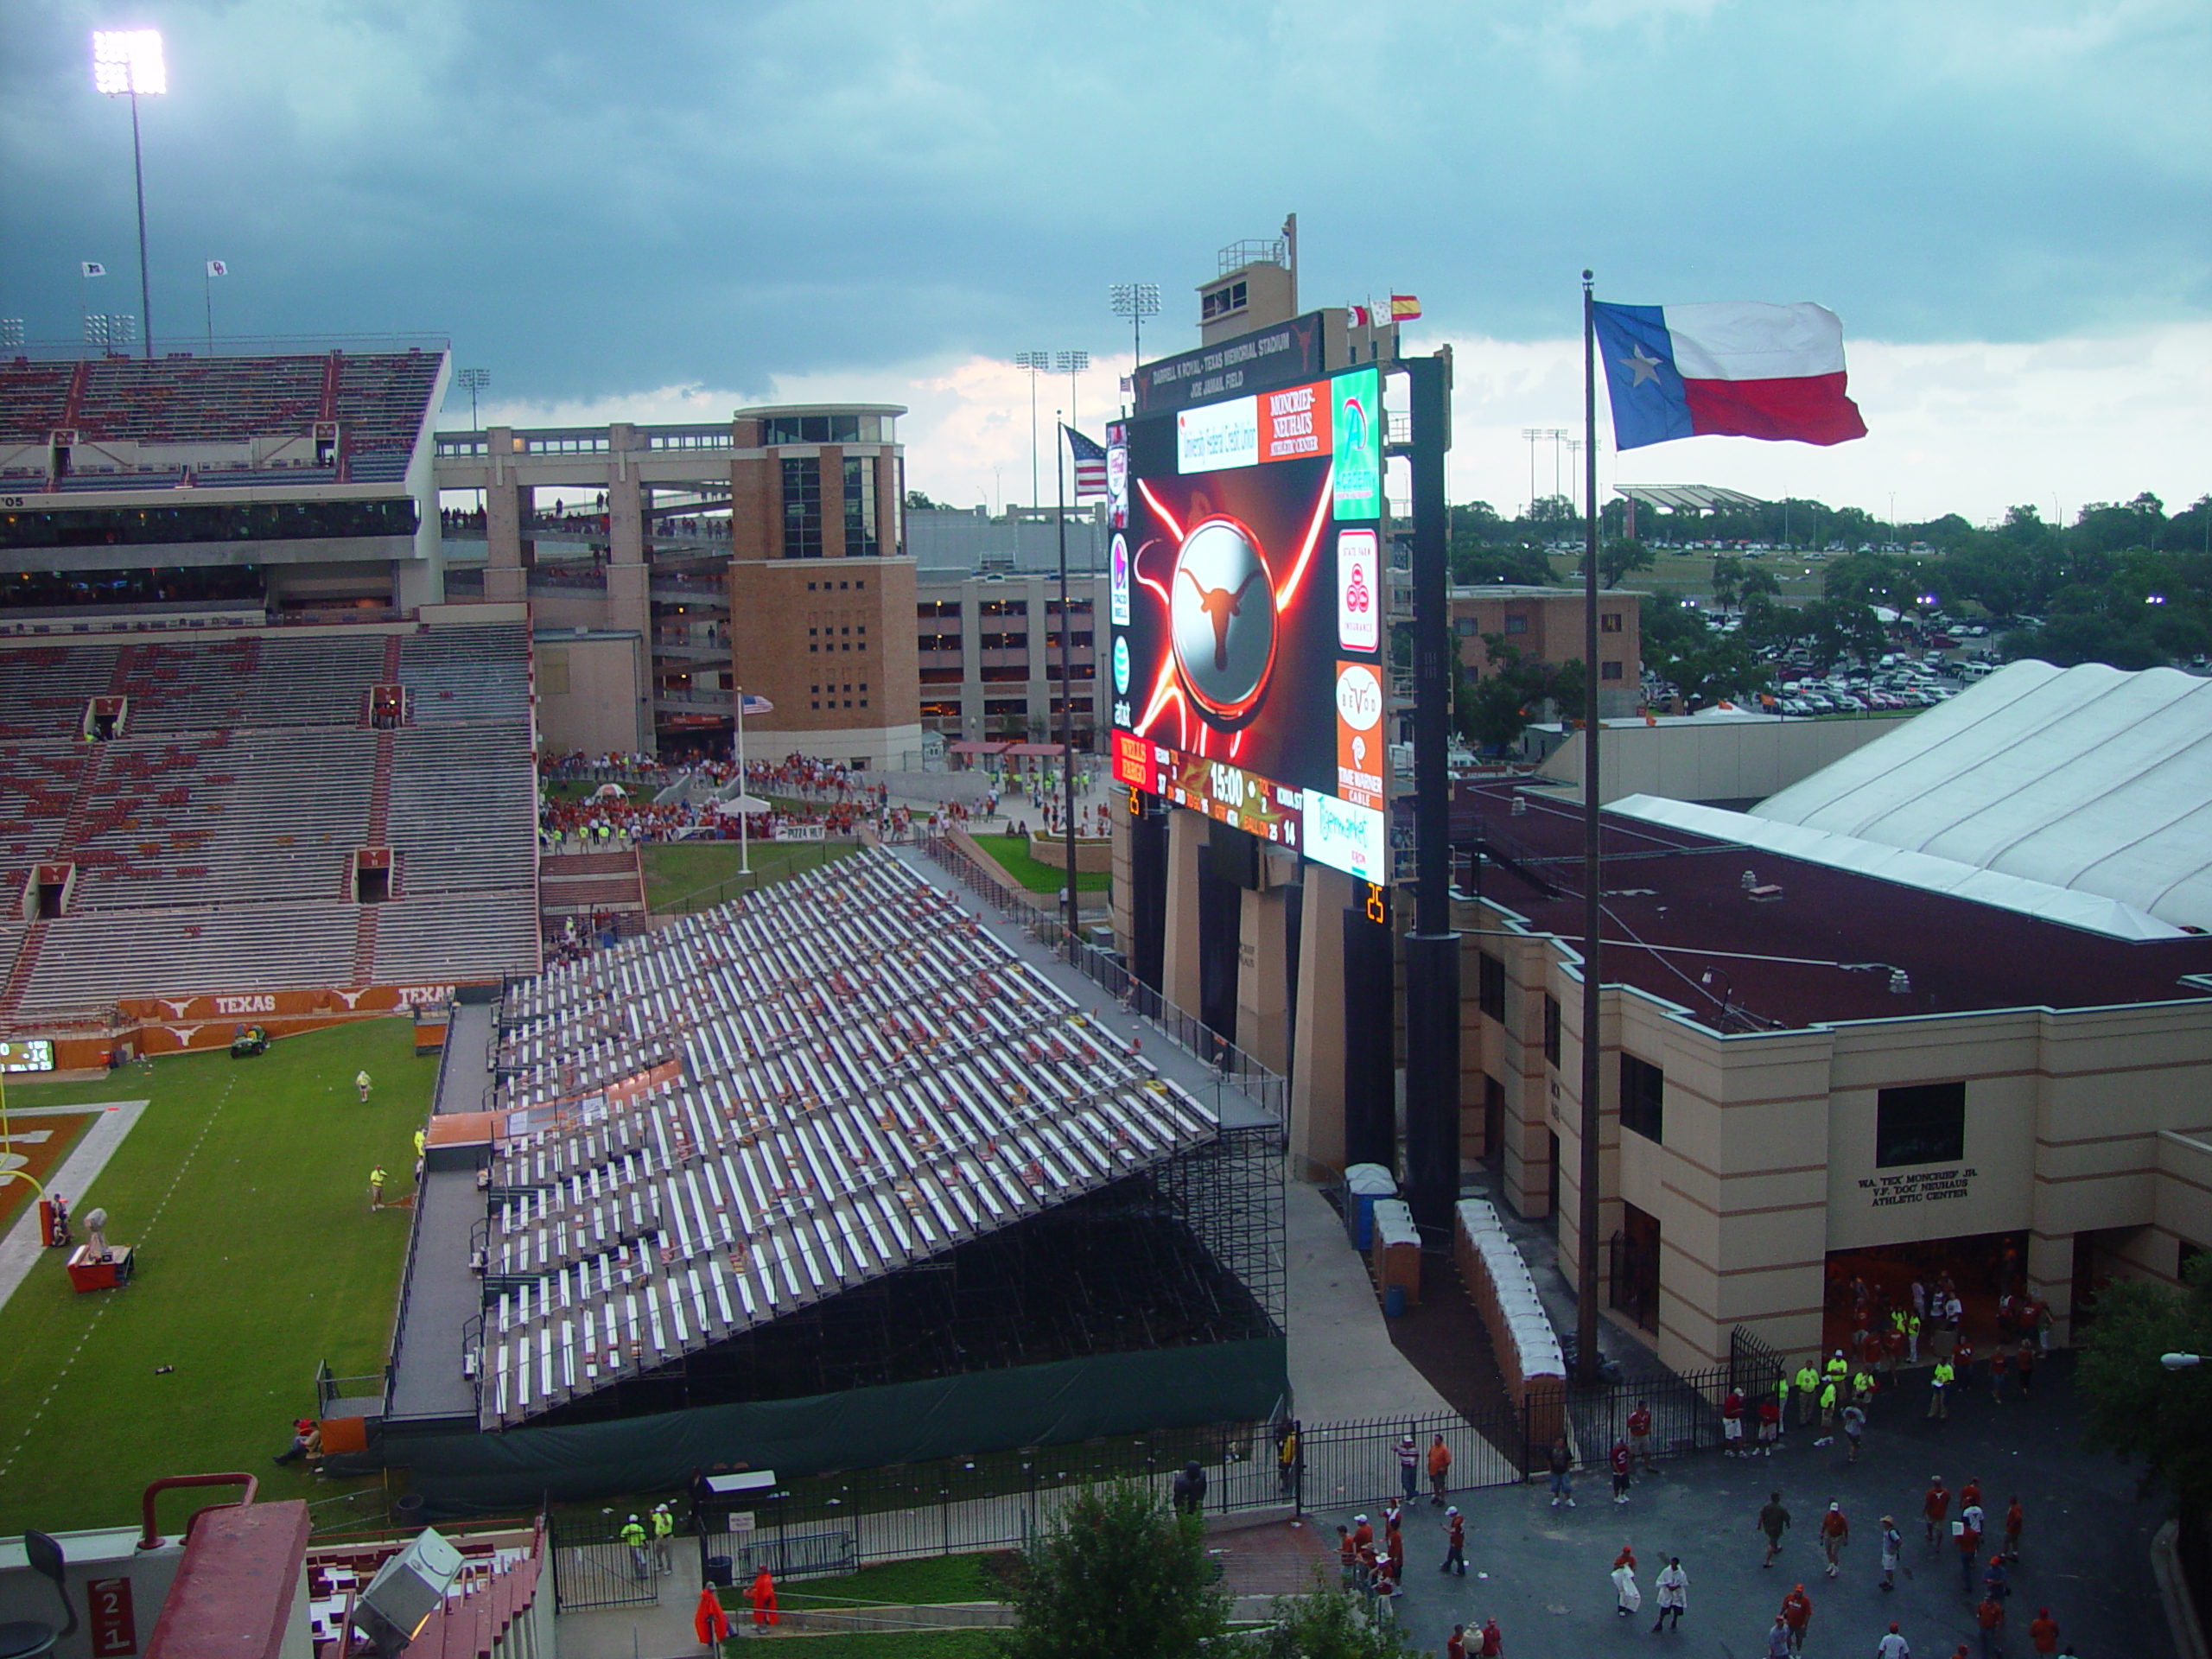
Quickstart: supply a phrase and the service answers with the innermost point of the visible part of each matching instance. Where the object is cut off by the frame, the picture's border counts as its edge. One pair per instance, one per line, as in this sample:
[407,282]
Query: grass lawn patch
[244,1187]
[936,1579]
[1012,855]
[897,1645]
[676,870]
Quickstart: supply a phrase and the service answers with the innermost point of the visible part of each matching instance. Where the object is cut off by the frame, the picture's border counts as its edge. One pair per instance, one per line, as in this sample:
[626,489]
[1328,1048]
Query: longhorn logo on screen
[1222,619]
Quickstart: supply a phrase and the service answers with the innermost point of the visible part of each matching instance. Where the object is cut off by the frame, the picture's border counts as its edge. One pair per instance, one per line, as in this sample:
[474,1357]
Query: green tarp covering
[863,1428]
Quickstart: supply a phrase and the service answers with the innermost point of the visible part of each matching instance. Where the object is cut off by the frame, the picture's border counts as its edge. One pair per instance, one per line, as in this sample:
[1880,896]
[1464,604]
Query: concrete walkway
[1343,1367]
[21,1249]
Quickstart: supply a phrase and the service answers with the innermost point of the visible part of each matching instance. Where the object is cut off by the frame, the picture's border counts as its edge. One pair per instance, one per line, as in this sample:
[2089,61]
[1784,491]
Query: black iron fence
[592,1566]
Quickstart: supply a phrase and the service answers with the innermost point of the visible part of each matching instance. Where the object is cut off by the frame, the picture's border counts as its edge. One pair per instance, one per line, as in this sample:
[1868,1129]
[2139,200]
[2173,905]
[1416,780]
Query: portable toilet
[1395,1254]
[1364,1185]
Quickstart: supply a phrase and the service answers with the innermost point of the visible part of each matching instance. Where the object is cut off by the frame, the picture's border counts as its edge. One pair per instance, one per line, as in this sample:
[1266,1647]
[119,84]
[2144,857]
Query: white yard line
[21,1249]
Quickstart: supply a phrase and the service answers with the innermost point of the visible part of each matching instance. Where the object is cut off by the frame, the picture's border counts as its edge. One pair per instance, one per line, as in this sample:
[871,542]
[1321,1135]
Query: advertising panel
[1246,600]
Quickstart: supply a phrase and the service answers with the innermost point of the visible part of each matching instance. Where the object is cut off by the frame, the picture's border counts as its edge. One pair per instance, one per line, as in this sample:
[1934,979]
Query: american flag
[1090,464]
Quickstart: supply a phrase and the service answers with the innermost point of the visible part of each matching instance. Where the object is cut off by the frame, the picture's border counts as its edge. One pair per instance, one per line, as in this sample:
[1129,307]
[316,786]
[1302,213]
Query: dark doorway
[1551,1176]
[1636,1267]
[372,884]
[1493,1121]
[1221,935]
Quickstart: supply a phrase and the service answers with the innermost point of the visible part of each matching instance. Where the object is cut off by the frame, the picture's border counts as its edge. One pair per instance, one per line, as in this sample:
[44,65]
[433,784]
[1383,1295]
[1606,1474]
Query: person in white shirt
[1893,1646]
[1673,1587]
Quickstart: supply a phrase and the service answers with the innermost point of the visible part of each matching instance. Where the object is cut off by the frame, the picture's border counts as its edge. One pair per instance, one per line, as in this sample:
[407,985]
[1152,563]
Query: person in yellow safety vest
[1912,1338]
[1809,1384]
[1837,1367]
[376,1189]
[1782,1402]
[633,1535]
[1862,1386]
[1827,1404]
[663,1529]
[1939,1385]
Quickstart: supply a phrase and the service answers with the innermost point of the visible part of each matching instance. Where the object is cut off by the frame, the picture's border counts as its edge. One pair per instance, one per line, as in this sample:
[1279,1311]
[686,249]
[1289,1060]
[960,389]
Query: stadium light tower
[1070,363]
[472,381]
[126,62]
[1136,302]
[1035,362]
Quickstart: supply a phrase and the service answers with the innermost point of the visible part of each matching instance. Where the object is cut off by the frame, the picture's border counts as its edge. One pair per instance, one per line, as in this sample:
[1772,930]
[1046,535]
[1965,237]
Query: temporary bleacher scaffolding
[743,1116]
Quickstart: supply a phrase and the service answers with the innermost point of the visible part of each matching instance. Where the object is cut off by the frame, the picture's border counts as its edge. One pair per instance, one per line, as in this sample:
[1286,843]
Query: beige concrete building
[988,655]
[765,553]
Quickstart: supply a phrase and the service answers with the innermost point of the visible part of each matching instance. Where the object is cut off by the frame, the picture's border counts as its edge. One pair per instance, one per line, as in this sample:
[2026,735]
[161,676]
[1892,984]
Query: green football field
[245,1188]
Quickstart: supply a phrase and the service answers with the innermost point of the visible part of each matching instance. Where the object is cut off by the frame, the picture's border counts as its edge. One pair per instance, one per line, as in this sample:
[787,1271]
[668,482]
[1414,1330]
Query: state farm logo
[1221,620]
[1359,620]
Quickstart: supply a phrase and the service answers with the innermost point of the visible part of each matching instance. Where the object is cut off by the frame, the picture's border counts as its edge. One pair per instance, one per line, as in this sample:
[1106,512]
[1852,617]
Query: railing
[1264,1087]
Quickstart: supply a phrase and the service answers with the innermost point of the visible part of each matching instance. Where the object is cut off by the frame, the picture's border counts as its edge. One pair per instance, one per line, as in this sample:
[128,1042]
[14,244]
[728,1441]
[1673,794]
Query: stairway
[19,977]
[380,792]
[365,944]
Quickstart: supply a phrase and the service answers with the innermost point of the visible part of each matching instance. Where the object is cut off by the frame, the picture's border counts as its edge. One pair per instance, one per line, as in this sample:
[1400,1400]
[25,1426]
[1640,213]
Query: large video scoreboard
[1249,667]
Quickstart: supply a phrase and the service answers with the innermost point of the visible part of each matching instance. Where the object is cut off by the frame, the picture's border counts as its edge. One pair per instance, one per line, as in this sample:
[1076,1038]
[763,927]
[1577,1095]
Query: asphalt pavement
[1542,1573]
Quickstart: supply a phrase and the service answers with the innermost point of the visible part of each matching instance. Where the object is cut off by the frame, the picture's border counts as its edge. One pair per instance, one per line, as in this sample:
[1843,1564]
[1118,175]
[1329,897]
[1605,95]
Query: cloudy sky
[665,210]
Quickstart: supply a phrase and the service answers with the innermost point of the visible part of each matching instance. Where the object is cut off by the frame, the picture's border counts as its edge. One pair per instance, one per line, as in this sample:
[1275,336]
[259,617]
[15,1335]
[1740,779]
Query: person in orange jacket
[763,1598]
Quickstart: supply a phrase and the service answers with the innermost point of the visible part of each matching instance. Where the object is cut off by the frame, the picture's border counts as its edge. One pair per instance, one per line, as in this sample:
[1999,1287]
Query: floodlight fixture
[472,381]
[1136,302]
[126,63]
[128,60]
[11,334]
[1036,363]
[1071,362]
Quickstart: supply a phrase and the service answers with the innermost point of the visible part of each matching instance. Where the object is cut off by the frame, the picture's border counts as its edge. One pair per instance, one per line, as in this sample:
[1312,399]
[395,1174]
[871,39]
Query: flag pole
[1067,698]
[207,288]
[1586,1308]
[744,790]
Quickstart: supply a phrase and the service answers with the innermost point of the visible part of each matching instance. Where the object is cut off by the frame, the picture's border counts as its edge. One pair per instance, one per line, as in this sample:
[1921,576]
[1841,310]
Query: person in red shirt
[1394,1542]
[1455,1646]
[1362,1532]
[1935,1507]
[1455,1550]
[1835,1533]
[1493,1643]
[1625,1559]
[2015,1518]
[1639,1434]
[1347,1552]
[1622,1464]
[1732,1423]
[1989,1618]
[1797,1614]
[2043,1632]
[1970,1493]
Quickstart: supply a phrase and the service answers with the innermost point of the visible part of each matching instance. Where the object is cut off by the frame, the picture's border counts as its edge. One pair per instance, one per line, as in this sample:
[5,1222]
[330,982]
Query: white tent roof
[1932,874]
[2091,779]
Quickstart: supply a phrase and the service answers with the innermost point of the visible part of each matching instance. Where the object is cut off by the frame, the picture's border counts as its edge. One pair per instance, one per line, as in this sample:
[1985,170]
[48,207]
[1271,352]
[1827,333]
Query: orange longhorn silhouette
[1220,605]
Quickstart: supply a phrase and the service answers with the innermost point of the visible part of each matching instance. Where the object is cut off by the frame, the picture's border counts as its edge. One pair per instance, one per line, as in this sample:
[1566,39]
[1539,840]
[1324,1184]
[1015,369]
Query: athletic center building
[1946,1005]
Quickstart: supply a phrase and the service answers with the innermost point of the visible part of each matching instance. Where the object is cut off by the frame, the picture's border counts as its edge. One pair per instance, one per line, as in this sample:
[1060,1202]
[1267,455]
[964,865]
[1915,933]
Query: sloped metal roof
[2090,779]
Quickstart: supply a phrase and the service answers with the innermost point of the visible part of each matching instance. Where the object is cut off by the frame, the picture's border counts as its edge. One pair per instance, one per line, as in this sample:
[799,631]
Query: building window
[1516,624]
[1551,1028]
[947,608]
[802,508]
[822,428]
[1609,671]
[1643,1088]
[1464,626]
[1609,622]
[859,507]
[1490,980]
[1925,1123]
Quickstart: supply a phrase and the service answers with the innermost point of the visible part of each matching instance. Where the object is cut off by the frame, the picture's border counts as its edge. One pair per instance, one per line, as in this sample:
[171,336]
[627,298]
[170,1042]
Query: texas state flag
[1745,370]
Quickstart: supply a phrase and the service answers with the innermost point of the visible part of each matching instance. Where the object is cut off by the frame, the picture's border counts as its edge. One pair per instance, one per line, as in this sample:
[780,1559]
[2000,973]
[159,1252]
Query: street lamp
[1136,302]
[1035,362]
[2180,1362]
[126,62]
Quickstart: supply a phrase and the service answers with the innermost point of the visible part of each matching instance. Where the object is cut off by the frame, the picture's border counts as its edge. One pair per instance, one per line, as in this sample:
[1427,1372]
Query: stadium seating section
[214,840]
[380,400]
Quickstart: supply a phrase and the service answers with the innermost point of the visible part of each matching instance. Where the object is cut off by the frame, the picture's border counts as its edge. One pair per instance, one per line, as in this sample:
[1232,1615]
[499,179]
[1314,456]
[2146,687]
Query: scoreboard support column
[1432,948]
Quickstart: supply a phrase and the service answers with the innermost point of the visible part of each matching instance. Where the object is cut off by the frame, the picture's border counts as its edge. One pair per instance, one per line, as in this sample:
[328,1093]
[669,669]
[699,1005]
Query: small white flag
[93,268]
[217,268]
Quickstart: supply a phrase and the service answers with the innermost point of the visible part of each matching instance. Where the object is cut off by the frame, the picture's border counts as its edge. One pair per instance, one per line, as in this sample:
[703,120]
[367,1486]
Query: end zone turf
[244,1187]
